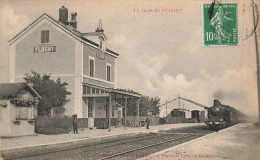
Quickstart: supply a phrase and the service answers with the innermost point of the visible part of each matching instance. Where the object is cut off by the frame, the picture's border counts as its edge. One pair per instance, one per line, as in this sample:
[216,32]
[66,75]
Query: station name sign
[43,49]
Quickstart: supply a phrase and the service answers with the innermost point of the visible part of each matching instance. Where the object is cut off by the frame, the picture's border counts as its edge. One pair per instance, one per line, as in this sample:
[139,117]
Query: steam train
[221,116]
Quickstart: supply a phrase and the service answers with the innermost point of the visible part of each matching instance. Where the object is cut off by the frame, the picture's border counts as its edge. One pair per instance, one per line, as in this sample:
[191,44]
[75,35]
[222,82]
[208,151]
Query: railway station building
[83,60]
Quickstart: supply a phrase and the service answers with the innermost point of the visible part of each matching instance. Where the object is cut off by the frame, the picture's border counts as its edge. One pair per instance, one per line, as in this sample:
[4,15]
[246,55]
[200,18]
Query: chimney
[100,29]
[73,22]
[63,15]
[73,16]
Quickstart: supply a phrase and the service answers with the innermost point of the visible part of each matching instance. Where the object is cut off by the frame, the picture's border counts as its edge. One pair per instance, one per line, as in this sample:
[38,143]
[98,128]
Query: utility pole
[166,112]
[183,113]
[179,102]
[257,61]
[109,112]
[125,112]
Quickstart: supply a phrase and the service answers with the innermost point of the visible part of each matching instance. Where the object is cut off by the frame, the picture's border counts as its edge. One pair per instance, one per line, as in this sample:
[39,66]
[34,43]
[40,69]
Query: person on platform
[147,120]
[74,124]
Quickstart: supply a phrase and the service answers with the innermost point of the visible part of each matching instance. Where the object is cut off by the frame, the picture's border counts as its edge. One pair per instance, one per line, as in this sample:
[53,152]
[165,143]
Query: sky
[161,54]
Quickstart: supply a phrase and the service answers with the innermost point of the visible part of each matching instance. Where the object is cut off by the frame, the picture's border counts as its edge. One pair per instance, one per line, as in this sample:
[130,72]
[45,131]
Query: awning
[105,92]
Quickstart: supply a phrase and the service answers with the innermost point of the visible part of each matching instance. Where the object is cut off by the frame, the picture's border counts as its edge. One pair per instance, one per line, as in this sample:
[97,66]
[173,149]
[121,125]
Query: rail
[144,147]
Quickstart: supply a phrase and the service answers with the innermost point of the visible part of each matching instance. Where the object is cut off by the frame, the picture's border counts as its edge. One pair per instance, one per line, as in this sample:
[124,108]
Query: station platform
[16,143]
[239,142]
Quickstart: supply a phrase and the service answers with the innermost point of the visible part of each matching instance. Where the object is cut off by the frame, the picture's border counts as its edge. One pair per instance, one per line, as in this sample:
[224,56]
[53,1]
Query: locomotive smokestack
[216,102]
[63,15]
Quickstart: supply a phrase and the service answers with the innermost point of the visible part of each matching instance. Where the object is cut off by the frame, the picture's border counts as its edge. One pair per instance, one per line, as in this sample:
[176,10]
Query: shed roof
[10,90]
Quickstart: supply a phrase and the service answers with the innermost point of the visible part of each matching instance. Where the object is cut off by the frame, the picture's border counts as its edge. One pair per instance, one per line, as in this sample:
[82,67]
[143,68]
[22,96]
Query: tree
[147,105]
[54,93]
[131,106]
[155,104]
[144,106]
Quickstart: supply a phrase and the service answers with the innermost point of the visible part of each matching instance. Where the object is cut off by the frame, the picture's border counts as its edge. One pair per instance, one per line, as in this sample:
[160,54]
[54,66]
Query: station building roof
[79,35]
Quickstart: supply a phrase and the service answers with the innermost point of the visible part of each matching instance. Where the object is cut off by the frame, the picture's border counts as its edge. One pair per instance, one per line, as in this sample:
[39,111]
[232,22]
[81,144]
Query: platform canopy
[90,90]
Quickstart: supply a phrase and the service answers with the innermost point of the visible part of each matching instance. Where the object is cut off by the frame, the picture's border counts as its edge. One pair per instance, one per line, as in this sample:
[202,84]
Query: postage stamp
[220,26]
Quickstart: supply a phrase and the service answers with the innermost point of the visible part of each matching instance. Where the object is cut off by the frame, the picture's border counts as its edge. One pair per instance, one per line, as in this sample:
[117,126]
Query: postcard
[141,79]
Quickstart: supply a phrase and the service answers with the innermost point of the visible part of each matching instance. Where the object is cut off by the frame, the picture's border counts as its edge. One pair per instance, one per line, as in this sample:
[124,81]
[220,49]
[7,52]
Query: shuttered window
[45,36]
[91,67]
[108,73]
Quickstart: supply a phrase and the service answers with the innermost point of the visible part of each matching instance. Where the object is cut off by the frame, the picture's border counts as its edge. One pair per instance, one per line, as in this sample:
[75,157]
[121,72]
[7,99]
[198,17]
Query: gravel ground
[239,142]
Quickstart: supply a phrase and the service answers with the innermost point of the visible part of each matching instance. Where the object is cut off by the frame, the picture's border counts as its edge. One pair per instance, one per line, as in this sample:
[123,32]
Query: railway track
[144,147]
[125,148]
[74,148]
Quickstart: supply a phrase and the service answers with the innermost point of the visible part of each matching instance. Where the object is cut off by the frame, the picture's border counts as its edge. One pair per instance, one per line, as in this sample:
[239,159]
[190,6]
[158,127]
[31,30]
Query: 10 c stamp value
[220,26]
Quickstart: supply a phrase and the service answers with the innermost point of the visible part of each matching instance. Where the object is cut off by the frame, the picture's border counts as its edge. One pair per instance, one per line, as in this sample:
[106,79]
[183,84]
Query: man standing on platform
[74,124]
[147,120]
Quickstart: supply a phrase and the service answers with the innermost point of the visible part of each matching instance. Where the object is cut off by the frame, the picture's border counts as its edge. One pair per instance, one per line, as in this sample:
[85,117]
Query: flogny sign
[42,49]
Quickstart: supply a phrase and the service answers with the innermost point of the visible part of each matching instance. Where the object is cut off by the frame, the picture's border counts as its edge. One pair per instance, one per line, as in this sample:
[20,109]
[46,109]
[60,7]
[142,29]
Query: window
[93,91]
[100,45]
[25,113]
[88,90]
[91,67]
[108,72]
[45,36]
[84,89]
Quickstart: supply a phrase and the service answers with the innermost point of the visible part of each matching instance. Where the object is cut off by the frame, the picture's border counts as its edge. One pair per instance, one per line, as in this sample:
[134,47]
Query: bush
[47,125]
[50,131]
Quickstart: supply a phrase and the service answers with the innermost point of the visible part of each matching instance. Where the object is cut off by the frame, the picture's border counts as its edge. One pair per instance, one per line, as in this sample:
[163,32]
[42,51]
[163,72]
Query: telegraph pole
[179,102]
[166,112]
[183,113]
[257,61]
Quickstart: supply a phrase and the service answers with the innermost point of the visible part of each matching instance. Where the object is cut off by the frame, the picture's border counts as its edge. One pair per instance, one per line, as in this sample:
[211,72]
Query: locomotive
[221,116]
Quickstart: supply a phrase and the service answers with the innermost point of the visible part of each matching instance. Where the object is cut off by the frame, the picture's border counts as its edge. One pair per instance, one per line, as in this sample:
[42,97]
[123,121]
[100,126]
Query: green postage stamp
[220,24]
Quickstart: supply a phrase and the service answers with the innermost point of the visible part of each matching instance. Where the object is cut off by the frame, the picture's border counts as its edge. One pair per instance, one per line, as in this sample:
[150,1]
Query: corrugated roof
[10,90]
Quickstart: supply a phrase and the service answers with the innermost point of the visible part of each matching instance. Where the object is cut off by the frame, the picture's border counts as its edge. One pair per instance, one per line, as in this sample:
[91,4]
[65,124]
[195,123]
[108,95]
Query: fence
[42,122]
[173,120]
[132,120]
